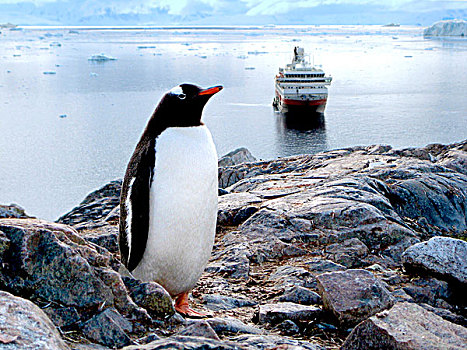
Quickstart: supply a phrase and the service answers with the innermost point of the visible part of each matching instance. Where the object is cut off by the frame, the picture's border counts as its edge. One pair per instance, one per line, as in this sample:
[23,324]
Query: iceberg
[455,27]
[101,58]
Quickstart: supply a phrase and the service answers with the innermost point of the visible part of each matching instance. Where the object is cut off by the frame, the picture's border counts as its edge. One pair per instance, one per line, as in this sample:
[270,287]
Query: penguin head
[183,105]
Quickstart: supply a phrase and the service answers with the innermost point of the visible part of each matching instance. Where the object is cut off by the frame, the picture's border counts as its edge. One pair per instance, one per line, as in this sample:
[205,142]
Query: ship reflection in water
[299,134]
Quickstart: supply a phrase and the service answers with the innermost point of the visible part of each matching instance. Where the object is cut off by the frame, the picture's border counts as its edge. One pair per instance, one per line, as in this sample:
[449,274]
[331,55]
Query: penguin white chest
[182,209]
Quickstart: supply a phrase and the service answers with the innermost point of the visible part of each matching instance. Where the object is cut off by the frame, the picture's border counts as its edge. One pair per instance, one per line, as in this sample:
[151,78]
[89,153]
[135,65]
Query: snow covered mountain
[225,12]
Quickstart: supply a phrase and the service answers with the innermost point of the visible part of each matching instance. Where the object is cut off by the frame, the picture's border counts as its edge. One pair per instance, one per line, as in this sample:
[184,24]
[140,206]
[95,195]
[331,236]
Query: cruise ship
[301,87]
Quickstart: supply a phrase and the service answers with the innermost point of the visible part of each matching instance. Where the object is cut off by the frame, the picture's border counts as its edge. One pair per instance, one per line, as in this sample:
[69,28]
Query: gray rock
[301,295]
[264,342]
[4,244]
[288,275]
[63,316]
[267,235]
[429,290]
[406,326]
[114,216]
[187,343]
[288,328]
[104,236]
[276,313]
[199,328]
[318,265]
[400,296]
[93,210]
[52,264]
[394,251]
[122,300]
[362,193]
[432,197]
[148,339]
[150,296]
[108,328]
[235,208]
[440,256]
[12,211]
[348,253]
[238,156]
[25,326]
[446,314]
[232,262]
[353,295]
[455,160]
[231,325]
[218,302]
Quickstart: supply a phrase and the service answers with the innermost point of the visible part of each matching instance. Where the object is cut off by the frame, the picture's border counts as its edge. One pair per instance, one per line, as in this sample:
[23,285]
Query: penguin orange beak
[211,91]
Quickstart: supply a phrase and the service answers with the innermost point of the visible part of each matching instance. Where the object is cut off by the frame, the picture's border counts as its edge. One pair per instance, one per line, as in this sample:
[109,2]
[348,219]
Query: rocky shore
[357,248]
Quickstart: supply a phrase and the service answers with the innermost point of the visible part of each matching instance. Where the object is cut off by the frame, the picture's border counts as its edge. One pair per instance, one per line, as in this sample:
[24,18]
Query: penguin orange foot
[182,307]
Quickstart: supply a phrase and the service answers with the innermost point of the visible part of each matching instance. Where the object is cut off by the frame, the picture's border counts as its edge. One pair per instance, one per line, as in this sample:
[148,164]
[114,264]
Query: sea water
[69,124]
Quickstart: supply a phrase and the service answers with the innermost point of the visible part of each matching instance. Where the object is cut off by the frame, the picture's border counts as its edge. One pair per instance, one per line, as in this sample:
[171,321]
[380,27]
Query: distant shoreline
[206,27]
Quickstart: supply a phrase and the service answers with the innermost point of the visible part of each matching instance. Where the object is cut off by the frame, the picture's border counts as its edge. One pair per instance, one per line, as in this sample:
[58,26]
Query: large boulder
[77,281]
[238,156]
[48,261]
[93,210]
[353,295]
[440,256]
[406,326]
[25,326]
[12,211]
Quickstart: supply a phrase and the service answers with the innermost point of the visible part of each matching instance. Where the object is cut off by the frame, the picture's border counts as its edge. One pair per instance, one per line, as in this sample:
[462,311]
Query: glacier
[455,27]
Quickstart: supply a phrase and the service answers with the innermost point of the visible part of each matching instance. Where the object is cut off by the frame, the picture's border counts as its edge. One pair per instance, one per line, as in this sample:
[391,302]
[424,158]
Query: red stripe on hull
[304,102]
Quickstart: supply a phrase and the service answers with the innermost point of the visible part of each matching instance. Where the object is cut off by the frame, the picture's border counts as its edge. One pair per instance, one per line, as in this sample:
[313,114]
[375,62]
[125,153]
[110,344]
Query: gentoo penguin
[168,204]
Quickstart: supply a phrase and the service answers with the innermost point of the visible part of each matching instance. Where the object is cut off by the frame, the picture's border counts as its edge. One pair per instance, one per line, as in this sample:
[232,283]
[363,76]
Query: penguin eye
[181,96]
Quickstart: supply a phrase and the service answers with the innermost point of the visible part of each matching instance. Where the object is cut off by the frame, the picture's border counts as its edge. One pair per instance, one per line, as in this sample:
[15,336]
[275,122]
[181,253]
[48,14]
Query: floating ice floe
[257,52]
[142,47]
[51,35]
[101,58]
[454,27]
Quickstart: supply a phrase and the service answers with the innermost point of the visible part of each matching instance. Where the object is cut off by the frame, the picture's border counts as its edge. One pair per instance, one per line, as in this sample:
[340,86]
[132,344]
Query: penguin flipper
[134,205]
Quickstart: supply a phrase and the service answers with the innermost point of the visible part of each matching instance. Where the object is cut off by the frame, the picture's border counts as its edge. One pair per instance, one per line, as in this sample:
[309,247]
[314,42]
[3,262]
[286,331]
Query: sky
[217,12]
